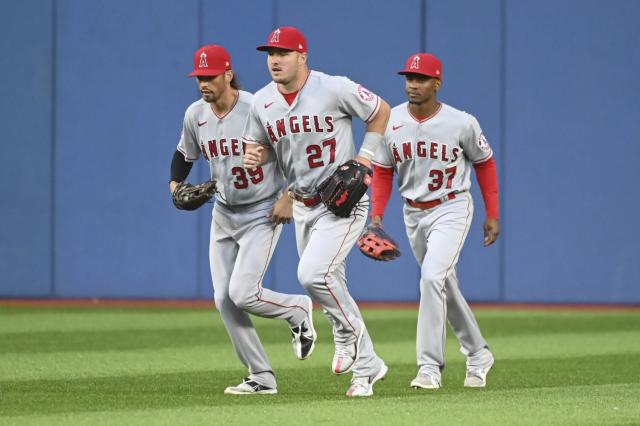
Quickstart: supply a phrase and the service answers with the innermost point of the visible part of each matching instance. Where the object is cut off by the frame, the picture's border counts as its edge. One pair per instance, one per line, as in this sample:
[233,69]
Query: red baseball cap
[288,38]
[210,60]
[423,63]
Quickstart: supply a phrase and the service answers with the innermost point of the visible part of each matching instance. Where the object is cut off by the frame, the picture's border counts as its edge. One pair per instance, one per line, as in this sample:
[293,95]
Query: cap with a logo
[210,60]
[423,63]
[287,38]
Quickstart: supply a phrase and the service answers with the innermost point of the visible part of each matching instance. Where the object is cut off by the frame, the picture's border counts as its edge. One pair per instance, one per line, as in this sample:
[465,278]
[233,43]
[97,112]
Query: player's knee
[432,278]
[240,298]
[307,276]
[221,301]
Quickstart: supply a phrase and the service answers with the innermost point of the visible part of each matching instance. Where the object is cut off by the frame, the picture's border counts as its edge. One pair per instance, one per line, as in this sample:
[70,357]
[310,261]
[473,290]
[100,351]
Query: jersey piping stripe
[375,110]
[186,157]
[266,263]
[327,273]
[464,235]
[485,159]
[259,284]
[451,266]
[235,102]
[384,166]
[426,118]
[443,337]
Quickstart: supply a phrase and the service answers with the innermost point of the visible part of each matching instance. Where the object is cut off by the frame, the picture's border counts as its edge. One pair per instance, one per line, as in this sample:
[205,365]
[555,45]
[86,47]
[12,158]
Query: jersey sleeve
[474,144]
[383,157]
[253,132]
[354,99]
[188,144]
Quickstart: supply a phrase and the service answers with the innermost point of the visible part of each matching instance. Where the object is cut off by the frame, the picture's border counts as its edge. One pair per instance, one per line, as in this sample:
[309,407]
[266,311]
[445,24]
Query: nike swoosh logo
[201,124]
[397,127]
[268,105]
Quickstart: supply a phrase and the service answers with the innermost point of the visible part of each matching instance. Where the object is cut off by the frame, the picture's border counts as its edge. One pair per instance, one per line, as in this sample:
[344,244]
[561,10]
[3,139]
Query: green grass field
[170,366]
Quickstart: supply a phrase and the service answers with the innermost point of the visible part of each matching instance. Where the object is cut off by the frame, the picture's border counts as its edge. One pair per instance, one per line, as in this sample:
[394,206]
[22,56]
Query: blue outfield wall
[93,96]
[26,118]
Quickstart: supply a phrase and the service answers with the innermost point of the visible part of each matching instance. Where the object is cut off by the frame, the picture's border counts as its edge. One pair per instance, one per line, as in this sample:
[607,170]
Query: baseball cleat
[426,381]
[345,356]
[477,375]
[304,335]
[249,387]
[363,386]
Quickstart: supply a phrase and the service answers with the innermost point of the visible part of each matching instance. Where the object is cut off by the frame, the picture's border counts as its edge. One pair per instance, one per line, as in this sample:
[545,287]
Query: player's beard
[208,97]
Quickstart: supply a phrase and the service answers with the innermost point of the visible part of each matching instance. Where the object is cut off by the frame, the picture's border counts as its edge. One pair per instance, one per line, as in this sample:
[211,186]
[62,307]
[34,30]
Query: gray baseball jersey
[242,238]
[217,139]
[313,135]
[432,157]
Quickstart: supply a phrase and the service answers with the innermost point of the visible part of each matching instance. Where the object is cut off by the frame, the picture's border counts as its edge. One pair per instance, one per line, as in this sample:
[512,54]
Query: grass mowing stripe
[82,320]
[72,365]
[162,330]
[565,344]
[79,319]
[205,388]
[612,404]
[97,341]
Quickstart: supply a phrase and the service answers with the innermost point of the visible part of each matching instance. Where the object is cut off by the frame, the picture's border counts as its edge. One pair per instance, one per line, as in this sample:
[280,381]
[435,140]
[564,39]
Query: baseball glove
[341,191]
[190,197]
[377,244]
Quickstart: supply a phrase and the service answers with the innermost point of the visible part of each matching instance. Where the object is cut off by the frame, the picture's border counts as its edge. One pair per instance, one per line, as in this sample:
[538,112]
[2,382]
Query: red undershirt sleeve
[380,190]
[487,176]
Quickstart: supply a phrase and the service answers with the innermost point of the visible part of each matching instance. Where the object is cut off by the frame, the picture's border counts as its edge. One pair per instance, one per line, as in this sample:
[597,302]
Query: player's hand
[172,186]
[376,221]
[253,156]
[282,211]
[491,231]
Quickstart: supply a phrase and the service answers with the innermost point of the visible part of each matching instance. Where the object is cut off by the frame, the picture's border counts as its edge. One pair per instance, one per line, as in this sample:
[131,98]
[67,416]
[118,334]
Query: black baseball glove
[377,244]
[190,197]
[341,191]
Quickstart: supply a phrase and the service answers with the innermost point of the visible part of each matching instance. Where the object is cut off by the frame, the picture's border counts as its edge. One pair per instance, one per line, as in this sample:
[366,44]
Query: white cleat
[304,335]
[426,382]
[363,386]
[249,387]
[477,375]
[345,356]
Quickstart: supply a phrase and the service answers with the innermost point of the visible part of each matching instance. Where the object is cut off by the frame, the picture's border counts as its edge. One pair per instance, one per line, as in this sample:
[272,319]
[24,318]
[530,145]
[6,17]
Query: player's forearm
[180,169]
[373,139]
[487,176]
[381,187]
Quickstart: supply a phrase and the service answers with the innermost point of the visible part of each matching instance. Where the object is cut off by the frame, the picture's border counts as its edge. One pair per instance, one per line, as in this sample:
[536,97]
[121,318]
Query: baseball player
[433,146]
[305,117]
[247,220]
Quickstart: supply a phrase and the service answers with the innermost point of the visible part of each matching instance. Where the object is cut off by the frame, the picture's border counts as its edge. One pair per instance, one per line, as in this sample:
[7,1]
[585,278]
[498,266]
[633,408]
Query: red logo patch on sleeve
[483,144]
[365,94]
